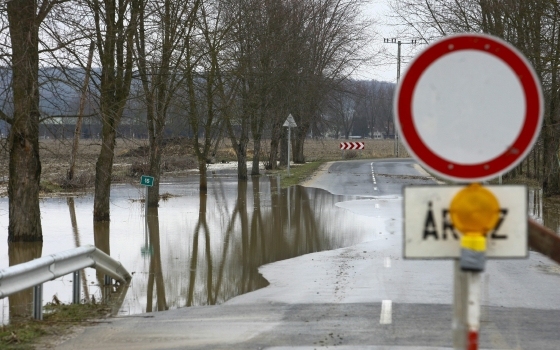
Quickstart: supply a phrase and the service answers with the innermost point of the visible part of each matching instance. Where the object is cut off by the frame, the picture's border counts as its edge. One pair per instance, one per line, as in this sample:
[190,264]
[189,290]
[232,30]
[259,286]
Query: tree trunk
[284,149]
[551,176]
[242,160]
[21,303]
[274,144]
[203,171]
[155,166]
[115,45]
[78,130]
[298,142]
[103,172]
[102,241]
[25,166]
[256,155]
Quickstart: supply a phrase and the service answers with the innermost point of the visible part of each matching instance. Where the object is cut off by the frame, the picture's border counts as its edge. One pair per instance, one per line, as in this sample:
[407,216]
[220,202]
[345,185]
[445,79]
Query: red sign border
[533,112]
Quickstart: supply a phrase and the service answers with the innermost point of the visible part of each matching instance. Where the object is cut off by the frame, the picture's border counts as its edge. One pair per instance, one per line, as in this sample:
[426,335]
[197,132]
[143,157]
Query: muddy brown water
[195,249]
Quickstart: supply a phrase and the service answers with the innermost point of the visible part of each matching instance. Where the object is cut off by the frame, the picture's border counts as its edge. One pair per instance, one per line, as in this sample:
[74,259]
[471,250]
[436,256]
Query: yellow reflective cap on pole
[474,210]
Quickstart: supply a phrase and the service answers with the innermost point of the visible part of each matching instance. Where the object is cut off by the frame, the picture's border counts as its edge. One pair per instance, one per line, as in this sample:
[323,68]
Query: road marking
[376,205]
[373,177]
[387,262]
[386,314]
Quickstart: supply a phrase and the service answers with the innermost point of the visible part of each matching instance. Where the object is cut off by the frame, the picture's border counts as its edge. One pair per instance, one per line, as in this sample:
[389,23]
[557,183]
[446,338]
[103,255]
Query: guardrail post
[38,302]
[76,287]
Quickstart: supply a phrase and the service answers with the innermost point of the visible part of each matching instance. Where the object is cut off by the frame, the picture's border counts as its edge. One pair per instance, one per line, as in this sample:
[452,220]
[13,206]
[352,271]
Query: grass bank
[58,320]
[299,173]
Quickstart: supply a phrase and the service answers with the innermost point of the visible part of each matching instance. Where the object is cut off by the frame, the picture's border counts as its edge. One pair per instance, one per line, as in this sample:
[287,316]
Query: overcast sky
[385,67]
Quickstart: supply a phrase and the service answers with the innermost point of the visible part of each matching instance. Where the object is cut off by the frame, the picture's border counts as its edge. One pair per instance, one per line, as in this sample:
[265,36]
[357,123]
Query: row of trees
[531,26]
[232,67]
[359,108]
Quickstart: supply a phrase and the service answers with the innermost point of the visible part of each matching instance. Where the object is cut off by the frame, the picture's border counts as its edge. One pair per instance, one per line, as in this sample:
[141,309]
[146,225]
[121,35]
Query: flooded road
[194,249]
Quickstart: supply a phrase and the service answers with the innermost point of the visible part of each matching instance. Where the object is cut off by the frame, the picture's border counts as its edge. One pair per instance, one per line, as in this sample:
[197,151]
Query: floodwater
[194,249]
[546,212]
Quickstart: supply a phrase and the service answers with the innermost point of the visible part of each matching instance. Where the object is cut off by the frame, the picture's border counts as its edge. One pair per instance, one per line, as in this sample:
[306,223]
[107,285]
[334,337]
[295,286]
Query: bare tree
[25,17]
[341,109]
[206,94]
[115,28]
[161,45]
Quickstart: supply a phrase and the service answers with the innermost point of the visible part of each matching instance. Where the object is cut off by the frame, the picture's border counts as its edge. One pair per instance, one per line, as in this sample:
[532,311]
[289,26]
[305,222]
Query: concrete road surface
[360,297]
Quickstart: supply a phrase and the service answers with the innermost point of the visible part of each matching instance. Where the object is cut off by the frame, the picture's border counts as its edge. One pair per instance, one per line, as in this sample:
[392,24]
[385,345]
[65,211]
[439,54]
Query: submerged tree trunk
[203,171]
[242,159]
[155,170]
[21,303]
[25,166]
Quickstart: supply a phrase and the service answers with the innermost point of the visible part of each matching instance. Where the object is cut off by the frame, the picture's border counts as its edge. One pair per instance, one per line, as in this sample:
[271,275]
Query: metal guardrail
[544,240]
[35,272]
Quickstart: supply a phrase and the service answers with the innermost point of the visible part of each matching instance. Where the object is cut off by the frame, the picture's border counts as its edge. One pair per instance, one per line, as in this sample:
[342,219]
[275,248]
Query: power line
[399,43]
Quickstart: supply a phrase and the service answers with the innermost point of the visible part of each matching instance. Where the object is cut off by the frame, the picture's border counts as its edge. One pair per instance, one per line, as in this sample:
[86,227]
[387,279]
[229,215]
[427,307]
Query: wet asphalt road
[521,298]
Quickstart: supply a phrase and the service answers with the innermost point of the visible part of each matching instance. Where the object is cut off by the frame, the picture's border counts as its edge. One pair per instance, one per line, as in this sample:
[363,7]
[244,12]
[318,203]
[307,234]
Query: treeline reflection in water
[195,249]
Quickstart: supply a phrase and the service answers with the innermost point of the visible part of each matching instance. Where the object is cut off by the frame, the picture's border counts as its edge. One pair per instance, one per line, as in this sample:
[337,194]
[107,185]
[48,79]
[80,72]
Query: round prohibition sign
[469,107]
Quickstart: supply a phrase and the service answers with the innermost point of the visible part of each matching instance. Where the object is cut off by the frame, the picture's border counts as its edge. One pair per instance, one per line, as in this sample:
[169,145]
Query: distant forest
[355,109]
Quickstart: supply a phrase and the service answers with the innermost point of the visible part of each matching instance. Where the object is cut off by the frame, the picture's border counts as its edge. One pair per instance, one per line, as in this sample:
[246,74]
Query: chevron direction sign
[351,145]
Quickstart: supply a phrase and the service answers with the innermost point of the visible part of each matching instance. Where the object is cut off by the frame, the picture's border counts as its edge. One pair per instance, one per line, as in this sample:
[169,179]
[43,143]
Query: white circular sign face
[469,107]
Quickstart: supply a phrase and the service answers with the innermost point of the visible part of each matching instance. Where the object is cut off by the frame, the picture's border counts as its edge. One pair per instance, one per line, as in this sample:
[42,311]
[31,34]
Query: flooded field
[194,249]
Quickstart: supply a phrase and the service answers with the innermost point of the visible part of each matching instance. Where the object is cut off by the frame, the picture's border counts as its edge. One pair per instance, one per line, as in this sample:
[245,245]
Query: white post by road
[473,311]
[290,123]
[289,150]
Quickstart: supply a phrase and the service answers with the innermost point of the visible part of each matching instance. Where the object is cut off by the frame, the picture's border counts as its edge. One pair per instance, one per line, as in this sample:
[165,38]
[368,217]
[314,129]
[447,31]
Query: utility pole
[399,43]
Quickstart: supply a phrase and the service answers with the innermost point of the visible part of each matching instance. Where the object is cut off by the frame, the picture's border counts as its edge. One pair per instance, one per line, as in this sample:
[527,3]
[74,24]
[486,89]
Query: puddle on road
[192,250]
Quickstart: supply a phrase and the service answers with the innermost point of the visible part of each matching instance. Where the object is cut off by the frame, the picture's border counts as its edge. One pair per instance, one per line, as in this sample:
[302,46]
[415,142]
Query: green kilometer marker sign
[146,180]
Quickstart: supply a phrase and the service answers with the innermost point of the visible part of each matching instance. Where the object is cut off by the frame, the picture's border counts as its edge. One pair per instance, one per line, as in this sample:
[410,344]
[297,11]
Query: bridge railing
[35,272]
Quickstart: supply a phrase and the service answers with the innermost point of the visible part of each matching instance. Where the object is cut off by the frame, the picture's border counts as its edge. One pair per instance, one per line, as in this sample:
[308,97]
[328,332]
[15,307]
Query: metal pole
[76,287]
[288,192]
[38,302]
[289,141]
[458,325]
[398,79]
[146,204]
[473,313]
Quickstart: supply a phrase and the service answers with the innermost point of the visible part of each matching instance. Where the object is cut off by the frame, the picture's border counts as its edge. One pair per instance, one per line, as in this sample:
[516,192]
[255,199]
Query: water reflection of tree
[21,304]
[156,273]
[201,224]
[101,239]
[72,209]
[280,224]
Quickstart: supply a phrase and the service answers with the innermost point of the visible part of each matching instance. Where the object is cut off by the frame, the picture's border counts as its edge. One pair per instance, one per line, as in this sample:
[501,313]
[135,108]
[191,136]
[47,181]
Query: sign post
[469,108]
[146,181]
[289,123]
